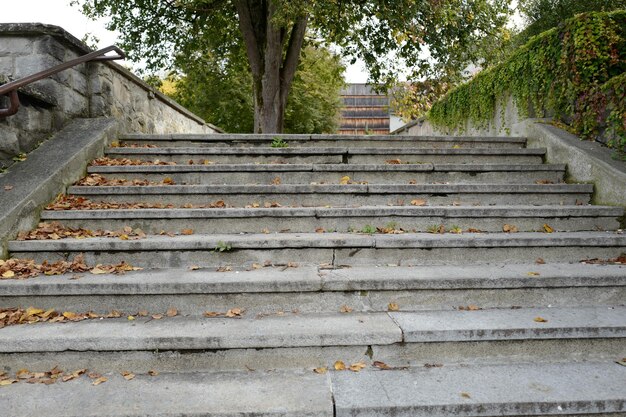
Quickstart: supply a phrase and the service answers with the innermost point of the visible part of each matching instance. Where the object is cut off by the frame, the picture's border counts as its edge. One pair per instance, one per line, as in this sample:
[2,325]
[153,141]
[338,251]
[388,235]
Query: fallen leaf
[509,228]
[186,232]
[153,372]
[168,180]
[533,274]
[97,271]
[276,181]
[393,307]
[320,230]
[6,382]
[540,261]
[128,375]
[339,366]
[131,318]
[171,312]
[234,312]
[157,316]
[381,365]
[320,370]
[345,309]
[212,314]
[547,228]
[393,161]
[539,319]
[99,381]
[224,269]
[8,187]
[8,274]
[418,202]
[194,268]
[622,362]
[356,367]
[465,395]
[344,180]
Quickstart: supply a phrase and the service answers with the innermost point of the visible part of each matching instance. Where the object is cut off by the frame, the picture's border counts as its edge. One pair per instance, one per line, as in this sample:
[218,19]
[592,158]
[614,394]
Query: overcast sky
[60,13]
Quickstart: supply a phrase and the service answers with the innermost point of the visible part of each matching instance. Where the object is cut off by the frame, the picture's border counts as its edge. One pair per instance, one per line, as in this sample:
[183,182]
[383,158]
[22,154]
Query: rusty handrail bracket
[11,88]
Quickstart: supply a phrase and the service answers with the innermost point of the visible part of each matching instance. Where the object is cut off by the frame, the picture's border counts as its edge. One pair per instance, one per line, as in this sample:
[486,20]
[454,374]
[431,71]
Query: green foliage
[368,229]
[430,37]
[574,73]
[278,142]
[219,89]
[222,247]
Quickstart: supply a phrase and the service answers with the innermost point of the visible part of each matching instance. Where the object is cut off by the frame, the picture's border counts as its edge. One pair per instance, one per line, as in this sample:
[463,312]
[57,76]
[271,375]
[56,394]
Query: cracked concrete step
[569,389]
[315,330]
[333,248]
[262,394]
[324,140]
[271,289]
[332,173]
[226,155]
[308,219]
[580,389]
[344,195]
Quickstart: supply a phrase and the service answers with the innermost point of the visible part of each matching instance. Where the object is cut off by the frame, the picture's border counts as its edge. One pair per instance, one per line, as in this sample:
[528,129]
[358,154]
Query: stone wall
[96,89]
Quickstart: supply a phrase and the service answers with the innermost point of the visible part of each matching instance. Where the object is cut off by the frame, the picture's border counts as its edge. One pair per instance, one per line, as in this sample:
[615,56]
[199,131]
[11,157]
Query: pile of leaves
[93,180]
[27,268]
[72,202]
[56,230]
[55,374]
[111,162]
[620,260]
[131,145]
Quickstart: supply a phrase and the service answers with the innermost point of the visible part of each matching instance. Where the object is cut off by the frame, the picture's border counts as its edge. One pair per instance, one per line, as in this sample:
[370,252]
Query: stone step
[216,250]
[310,219]
[564,389]
[335,155]
[333,173]
[316,330]
[310,289]
[344,195]
[292,141]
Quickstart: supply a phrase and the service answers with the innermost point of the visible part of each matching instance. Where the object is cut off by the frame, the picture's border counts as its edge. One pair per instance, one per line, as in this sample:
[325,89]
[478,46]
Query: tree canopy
[433,38]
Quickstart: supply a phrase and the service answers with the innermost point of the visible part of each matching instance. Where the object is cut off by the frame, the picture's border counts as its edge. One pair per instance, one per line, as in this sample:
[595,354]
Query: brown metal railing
[10,89]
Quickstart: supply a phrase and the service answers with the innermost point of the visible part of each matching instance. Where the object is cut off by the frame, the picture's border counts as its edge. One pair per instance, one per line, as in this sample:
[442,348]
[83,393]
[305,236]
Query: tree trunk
[273,53]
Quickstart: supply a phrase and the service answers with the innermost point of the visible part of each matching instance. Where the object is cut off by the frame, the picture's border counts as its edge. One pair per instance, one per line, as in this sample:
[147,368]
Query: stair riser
[344,224]
[409,354]
[321,199]
[502,177]
[323,302]
[335,159]
[364,143]
[343,256]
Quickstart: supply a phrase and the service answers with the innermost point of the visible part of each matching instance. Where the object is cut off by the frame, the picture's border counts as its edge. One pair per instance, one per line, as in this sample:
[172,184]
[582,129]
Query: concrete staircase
[444,274]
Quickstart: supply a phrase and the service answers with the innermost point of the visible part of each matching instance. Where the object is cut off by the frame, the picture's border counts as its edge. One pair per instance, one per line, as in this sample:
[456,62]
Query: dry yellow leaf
[69,315]
[128,375]
[194,268]
[100,380]
[533,274]
[393,307]
[465,395]
[320,370]
[344,180]
[509,228]
[131,318]
[345,309]
[97,270]
[124,237]
[418,202]
[5,382]
[356,367]
[234,312]
[171,312]
[8,274]
[31,311]
[539,319]
[339,366]
[547,228]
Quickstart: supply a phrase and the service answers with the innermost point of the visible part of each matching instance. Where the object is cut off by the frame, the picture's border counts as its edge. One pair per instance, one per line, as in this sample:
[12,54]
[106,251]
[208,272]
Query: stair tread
[314,279]
[321,151]
[325,240]
[334,188]
[325,329]
[362,211]
[426,167]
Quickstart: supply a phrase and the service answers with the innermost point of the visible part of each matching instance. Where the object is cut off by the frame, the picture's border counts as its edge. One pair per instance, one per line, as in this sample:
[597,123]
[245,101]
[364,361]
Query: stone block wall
[95,89]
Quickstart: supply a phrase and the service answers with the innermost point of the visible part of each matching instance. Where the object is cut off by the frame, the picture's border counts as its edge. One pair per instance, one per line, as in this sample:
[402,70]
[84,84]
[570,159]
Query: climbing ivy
[575,73]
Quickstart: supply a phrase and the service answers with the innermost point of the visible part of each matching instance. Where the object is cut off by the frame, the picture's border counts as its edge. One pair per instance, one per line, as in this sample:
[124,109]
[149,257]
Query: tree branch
[292,57]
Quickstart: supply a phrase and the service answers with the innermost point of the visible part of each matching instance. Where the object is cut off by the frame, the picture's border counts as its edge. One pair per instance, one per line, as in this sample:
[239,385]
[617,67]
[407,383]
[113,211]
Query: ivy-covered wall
[575,73]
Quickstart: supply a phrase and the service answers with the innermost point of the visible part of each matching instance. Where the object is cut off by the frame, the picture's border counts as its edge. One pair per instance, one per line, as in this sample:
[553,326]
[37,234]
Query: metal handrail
[11,88]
